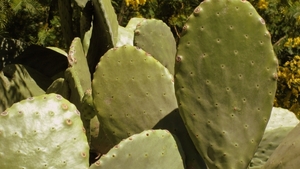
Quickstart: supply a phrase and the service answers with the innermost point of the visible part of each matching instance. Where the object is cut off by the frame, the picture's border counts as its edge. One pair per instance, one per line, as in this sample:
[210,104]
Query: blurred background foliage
[173,12]
[34,21]
[38,22]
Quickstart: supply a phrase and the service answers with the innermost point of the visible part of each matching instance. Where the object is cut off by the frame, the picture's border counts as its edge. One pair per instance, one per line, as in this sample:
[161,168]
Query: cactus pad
[155,37]
[133,22]
[43,132]
[61,87]
[281,122]
[281,118]
[270,141]
[132,91]
[161,152]
[125,36]
[105,28]
[18,82]
[286,155]
[87,106]
[78,62]
[225,81]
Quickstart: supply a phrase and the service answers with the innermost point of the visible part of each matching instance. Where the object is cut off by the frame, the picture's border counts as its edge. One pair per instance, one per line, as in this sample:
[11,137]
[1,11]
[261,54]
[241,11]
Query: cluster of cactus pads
[139,100]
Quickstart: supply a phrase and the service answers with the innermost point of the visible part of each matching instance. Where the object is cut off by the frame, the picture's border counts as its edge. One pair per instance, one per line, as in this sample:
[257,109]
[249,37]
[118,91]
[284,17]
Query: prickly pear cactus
[18,82]
[77,75]
[225,81]
[88,105]
[280,124]
[133,22]
[286,155]
[86,17]
[131,87]
[155,37]
[281,118]
[268,144]
[125,36]
[133,92]
[105,28]
[78,78]
[78,62]
[162,151]
[61,87]
[88,112]
[43,132]
[173,123]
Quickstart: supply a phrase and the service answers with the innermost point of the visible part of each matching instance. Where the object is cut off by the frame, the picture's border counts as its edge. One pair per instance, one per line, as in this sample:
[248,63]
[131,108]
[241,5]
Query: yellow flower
[298,20]
[262,4]
[296,42]
[135,3]
[289,42]
[292,42]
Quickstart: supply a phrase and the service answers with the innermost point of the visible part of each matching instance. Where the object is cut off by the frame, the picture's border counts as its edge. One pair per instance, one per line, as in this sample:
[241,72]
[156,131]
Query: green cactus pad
[58,50]
[155,37]
[76,92]
[148,150]
[78,62]
[133,22]
[132,91]
[100,142]
[77,75]
[86,17]
[95,125]
[61,87]
[43,132]
[81,3]
[18,82]
[76,95]
[105,29]
[88,111]
[286,155]
[87,106]
[86,40]
[79,79]
[281,118]
[280,124]
[225,80]
[173,123]
[125,37]
[271,140]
